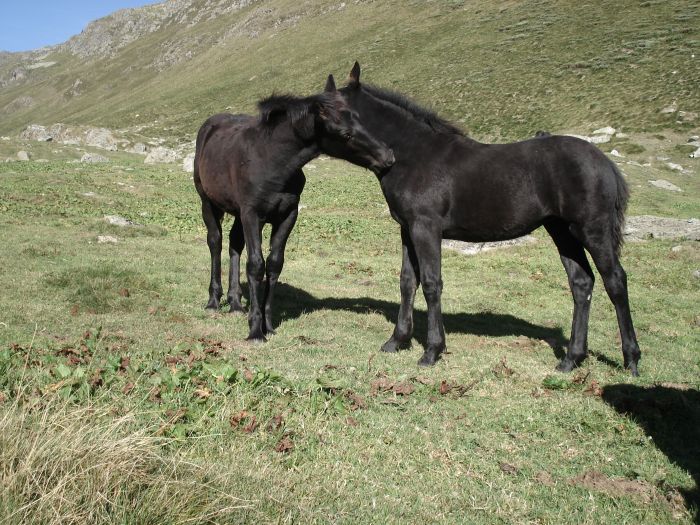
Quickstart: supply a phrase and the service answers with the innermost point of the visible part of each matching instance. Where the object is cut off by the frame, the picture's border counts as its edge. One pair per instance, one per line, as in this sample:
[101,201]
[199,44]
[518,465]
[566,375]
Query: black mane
[298,108]
[436,123]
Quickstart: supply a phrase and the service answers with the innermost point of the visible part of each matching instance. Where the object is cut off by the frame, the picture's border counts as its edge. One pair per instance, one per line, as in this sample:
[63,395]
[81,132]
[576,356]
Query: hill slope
[502,70]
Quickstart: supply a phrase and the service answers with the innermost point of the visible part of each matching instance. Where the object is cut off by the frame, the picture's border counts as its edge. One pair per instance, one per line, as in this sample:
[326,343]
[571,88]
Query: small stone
[696,274]
[600,139]
[92,158]
[664,185]
[188,163]
[672,108]
[89,194]
[616,153]
[687,116]
[674,167]
[107,239]
[23,155]
[695,154]
[116,220]
[622,135]
[139,148]
[608,130]
[677,248]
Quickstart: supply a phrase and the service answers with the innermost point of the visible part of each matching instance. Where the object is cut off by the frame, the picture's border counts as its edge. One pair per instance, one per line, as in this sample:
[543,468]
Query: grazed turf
[317,425]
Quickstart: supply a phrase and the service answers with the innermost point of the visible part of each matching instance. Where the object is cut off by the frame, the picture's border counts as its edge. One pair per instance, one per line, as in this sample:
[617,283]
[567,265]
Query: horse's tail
[621,198]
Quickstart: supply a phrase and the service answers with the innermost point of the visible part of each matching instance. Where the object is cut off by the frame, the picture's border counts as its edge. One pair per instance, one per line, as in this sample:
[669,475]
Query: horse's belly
[490,232]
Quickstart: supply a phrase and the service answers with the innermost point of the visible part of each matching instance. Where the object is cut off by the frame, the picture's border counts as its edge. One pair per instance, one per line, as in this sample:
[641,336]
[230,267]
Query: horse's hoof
[632,367]
[257,339]
[565,365]
[270,331]
[236,309]
[392,346]
[211,308]
[427,359]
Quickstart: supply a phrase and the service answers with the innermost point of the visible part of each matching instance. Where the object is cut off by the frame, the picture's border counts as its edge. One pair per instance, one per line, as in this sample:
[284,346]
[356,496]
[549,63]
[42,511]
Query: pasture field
[123,401]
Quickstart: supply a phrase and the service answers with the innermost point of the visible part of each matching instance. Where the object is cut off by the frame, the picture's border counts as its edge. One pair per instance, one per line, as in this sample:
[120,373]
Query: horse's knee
[274,264]
[255,267]
[432,288]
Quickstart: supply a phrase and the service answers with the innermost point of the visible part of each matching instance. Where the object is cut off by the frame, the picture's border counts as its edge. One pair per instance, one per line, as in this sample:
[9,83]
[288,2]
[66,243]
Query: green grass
[317,425]
[502,70]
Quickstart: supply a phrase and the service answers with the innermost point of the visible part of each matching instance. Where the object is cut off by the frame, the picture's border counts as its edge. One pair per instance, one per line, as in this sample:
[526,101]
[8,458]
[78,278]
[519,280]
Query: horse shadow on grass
[669,415]
[292,302]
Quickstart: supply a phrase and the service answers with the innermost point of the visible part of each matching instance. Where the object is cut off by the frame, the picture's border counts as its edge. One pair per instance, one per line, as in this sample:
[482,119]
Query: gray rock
[696,274]
[23,155]
[674,167]
[474,248]
[687,116]
[644,227]
[139,148]
[695,154]
[116,220]
[36,132]
[107,239]
[672,108]
[607,130]
[161,154]
[616,153]
[188,163]
[664,185]
[101,138]
[91,158]
[600,139]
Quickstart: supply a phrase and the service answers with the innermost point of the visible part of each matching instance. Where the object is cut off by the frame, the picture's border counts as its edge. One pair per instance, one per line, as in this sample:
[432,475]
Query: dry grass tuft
[64,464]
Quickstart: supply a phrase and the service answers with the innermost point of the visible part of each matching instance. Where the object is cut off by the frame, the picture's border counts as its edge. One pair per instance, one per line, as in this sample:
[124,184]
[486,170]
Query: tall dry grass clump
[63,464]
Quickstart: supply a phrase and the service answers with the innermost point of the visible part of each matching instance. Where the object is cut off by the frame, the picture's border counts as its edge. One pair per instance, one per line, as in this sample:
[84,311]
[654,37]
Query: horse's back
[500,191]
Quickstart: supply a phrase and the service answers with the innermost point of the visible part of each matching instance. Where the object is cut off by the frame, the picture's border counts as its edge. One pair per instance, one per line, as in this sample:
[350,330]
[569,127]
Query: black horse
[446,185]
[251,168]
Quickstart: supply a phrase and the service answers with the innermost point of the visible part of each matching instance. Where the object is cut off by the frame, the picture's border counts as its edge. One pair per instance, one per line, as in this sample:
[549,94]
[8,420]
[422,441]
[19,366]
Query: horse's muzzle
[386,161]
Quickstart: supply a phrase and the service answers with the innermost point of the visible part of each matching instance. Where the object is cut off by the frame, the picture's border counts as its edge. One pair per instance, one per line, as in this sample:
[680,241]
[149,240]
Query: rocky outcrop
[160,155]
[101,138]
[104,37]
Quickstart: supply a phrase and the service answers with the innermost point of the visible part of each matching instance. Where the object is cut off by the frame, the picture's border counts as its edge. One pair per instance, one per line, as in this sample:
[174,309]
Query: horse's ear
[354,78]
[330,84]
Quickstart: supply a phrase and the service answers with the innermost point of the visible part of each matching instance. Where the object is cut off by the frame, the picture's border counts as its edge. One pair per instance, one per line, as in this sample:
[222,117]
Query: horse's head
[340,133]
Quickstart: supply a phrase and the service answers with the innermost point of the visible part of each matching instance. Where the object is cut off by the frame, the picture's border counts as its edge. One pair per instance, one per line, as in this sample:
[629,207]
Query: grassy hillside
[501,69]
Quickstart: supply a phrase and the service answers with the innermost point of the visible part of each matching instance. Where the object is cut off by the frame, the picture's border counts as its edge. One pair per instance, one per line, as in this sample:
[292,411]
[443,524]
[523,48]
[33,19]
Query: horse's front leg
[403,331]
[235,247]
[275,261]
[255,269]
[426,242]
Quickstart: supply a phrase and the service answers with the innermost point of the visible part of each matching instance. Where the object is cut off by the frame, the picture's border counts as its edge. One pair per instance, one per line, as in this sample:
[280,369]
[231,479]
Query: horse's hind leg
[601,248]
[581,280]
[212,219]
[235,247]
[275,262]
[403,331]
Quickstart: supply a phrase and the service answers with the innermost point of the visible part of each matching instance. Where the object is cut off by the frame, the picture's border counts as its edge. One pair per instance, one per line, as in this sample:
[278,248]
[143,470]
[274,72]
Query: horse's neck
[291,153]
